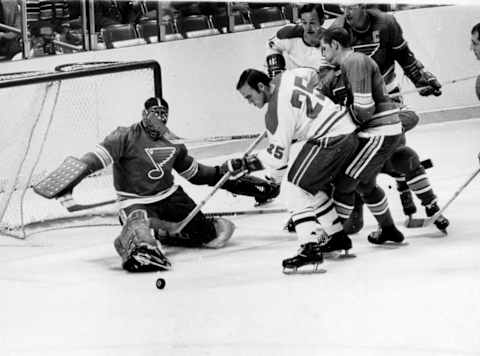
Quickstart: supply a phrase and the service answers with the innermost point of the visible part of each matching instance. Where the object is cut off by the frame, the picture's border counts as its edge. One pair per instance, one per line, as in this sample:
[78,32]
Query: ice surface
[63,292]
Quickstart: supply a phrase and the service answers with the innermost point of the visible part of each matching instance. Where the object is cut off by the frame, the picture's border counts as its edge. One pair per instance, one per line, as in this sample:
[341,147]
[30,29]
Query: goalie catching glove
[262,190]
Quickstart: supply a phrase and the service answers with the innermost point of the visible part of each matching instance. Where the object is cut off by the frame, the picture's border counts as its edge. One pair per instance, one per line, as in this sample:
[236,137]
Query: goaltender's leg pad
[66,176]
[224,229]
[137,237]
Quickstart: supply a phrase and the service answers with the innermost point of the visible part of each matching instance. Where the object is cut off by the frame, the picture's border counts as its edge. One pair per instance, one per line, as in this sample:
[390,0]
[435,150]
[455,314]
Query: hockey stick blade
[419,222]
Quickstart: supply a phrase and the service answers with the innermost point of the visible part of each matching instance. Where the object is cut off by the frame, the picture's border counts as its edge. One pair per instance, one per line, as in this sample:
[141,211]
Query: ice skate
[408,204]
[337,246]
[386,234]
[309,254]
[441,222]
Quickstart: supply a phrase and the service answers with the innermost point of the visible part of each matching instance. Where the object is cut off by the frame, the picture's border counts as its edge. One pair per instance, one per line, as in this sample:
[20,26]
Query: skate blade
[304,270]
[391,244]
[338,255]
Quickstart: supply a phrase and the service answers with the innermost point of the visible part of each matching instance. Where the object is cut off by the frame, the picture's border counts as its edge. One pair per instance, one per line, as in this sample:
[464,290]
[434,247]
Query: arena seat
[269,16]
[193,26]
[121,35]
[240,22]
[148,31]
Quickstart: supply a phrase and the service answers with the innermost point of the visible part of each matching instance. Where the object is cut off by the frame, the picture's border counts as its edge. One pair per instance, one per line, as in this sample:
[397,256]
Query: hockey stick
[176,228]
[69,203]
[416,222]
[247,212]
[416,90]
[218,138]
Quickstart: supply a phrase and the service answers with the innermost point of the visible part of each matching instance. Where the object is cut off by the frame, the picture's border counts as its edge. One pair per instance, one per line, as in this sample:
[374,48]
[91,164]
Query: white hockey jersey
[297,111]
[297,53]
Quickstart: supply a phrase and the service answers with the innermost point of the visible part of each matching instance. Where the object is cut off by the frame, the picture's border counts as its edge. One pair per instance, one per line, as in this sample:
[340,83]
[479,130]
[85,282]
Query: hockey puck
[160,283]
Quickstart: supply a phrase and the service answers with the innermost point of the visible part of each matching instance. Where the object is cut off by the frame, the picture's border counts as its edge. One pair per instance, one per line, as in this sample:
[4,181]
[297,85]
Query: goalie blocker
[63,179]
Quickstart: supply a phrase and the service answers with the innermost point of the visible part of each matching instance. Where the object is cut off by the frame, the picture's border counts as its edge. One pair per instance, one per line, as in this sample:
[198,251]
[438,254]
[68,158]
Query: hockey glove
[248,185]
[429,84]
[240,166]
[275,64]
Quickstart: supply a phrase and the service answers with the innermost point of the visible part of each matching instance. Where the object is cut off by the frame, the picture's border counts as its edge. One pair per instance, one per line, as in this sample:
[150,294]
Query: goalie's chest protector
[144,167]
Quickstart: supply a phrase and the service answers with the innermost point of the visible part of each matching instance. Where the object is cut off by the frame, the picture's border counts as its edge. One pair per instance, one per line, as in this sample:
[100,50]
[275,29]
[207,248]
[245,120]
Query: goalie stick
[419,222]
[178,227]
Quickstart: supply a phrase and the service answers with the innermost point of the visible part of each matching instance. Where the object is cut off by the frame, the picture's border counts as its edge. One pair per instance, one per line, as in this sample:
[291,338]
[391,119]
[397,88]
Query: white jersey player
[296,46]
[298,112]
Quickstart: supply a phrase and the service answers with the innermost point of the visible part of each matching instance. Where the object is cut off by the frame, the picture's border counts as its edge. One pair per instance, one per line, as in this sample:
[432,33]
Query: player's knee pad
[409,119]
[405,160]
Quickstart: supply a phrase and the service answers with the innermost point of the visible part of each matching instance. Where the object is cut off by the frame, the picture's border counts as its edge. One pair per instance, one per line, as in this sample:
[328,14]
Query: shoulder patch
[290,31]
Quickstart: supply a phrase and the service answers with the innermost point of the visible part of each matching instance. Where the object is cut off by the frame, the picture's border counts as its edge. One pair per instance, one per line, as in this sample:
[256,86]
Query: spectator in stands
[9,40]
[106,13]
[49,20]
[475,44]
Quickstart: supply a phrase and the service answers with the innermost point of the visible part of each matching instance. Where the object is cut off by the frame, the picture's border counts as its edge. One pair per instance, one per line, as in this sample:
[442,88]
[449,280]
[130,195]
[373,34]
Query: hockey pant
[360,175]
[308,185]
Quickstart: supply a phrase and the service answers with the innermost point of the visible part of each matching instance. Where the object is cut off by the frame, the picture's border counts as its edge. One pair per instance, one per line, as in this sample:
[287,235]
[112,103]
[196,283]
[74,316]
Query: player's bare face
[311,25]
[355,15]
[254,97]
[328,52]
[475,45]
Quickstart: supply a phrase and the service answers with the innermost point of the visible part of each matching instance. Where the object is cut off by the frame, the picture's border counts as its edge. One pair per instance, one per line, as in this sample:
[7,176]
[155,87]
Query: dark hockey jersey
[383,41]
[142,167]
[359,85]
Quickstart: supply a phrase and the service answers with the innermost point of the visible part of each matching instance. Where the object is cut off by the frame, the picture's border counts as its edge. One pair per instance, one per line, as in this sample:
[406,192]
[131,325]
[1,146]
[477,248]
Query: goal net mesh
[49,116]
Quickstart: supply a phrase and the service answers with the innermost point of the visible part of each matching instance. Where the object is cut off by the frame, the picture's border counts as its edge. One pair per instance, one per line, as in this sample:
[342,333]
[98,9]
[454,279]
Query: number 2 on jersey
[304,94]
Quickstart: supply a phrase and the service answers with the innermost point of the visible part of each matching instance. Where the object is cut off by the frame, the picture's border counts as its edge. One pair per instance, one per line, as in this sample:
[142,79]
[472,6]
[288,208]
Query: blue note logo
[159,157]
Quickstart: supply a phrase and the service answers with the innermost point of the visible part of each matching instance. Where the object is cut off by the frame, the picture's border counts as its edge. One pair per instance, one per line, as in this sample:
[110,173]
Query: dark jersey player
[379,131]
[143,160]
[379,36]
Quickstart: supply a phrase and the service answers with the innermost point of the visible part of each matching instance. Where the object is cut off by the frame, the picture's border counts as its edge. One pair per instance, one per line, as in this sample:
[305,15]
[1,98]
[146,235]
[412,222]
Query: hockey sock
[377,203]
[327,217]
[306,225]
[401,184]
[418,182]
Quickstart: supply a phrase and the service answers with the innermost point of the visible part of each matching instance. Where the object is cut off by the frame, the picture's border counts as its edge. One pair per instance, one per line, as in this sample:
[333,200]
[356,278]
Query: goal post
[47,116]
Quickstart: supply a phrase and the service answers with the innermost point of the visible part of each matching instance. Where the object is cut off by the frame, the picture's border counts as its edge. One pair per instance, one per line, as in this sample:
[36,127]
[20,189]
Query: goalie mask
[155,117]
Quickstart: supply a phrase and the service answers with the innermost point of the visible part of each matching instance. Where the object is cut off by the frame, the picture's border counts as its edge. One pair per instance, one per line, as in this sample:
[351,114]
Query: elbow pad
[275,64]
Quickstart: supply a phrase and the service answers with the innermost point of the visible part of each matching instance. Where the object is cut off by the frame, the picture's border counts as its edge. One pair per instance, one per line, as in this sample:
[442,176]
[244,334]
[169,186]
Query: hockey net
[49,116]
